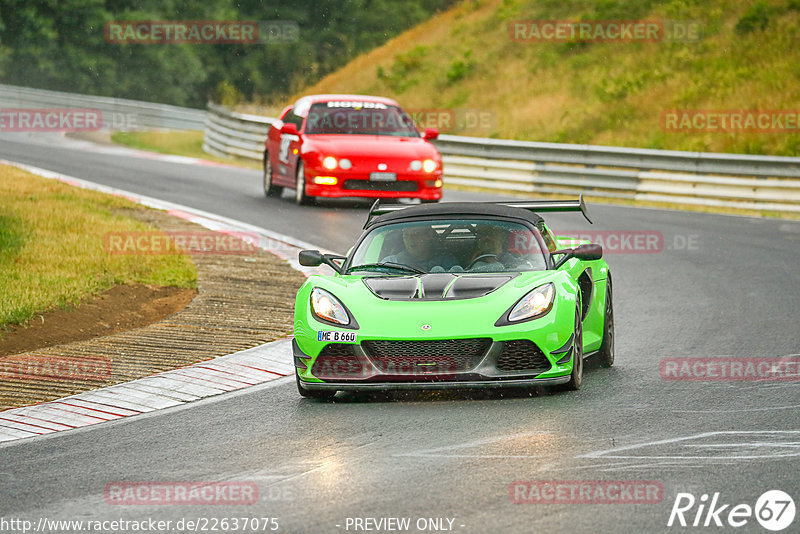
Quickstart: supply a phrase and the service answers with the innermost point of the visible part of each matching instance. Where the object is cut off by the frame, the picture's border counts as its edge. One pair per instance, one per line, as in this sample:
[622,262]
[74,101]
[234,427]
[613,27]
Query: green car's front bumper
[361,369]
[435,345]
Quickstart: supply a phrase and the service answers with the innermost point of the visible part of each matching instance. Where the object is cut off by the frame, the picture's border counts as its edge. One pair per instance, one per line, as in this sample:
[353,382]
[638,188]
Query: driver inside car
[423,250]
[491,251]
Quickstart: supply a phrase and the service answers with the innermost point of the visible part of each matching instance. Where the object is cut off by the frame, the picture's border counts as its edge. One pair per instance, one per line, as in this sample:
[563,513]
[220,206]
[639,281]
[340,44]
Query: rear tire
[576,377]
[606,353]
[270,190]
[313,393]
[300,196]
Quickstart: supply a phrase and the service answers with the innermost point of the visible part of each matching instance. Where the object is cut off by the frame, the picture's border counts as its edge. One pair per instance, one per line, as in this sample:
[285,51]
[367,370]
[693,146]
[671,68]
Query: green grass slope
[605,93]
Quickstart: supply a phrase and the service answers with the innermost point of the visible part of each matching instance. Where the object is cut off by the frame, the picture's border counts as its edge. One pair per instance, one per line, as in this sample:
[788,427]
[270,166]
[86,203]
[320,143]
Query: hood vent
[435,286]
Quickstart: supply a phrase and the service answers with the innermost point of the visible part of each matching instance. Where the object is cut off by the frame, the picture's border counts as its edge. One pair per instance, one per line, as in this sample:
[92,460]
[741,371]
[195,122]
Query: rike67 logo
[774,510]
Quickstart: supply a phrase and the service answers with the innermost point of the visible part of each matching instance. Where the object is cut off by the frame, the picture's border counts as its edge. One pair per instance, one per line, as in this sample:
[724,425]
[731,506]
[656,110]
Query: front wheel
[323,394]
[270,189]
[606,353]
[300,196]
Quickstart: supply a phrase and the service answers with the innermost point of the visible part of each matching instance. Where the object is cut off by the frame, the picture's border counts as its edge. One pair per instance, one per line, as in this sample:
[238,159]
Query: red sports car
[351,146]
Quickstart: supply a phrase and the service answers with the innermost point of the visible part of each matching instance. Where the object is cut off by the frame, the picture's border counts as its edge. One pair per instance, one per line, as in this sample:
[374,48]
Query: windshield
[364,118]
[452,246]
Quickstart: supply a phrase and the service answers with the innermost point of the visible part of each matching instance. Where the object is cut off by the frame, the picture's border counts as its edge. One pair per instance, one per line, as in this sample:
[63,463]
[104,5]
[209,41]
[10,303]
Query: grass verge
[742,56]
[52,250]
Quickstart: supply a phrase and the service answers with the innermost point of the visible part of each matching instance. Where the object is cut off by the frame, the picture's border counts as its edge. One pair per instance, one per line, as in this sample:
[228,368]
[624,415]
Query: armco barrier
[708,179]
[235,134]
[118,113]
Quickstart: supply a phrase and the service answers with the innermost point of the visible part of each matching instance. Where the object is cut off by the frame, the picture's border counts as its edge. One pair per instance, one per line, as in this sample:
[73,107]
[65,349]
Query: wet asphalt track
[721,286]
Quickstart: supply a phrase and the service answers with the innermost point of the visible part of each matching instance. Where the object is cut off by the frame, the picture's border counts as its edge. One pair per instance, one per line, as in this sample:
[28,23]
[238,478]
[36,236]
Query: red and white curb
[170,388]
[163,390]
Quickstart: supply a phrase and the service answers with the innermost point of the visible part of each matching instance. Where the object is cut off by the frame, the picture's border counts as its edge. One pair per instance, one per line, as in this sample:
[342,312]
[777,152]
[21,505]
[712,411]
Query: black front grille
[337,360]
[366,185]
[435,356]
[522,355]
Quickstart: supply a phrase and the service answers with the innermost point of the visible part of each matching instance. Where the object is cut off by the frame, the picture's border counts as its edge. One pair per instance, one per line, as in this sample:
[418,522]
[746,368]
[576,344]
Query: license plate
[382,176]
[336,337]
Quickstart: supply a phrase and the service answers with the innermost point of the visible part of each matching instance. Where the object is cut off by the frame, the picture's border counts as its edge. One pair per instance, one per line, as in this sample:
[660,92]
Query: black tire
[300,196]
[313,393]
[270,189]
[429,200]
[605,356]
[576,377]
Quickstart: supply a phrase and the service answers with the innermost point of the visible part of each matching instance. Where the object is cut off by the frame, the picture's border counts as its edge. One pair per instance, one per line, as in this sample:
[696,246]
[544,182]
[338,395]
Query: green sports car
[457,294]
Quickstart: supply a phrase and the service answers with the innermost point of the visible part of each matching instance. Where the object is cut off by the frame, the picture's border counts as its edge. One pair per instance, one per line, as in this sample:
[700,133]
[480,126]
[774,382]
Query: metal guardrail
[117,113]
[228,133]
[710,179]
[701,178]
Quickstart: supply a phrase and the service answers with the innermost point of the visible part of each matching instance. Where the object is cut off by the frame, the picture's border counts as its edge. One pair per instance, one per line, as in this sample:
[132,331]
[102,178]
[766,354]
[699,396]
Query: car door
[272,145]
[287,146]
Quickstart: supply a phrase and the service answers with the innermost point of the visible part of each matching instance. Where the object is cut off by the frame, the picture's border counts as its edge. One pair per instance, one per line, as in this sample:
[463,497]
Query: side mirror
[582,252]
[589,252]
[310,258]
[289,128]
[314,258]
[430,134]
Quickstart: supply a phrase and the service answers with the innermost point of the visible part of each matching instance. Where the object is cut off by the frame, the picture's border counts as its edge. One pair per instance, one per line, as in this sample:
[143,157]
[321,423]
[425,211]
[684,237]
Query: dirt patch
[121,308]
[243,300]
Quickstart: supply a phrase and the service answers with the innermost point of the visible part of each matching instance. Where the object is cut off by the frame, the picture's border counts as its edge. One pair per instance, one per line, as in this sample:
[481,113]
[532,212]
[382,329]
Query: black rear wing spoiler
[377,209]
[544,206]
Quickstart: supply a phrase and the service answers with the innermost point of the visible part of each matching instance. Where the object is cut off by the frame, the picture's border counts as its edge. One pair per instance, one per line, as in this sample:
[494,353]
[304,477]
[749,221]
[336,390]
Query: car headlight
[429,165]
[415,165]
[345,163]
[329,162]
[535,304]
[327,307]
